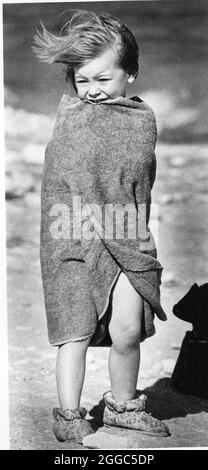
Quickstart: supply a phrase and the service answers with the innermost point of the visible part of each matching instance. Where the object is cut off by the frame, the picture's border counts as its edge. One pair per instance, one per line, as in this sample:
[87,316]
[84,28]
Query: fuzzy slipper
[130,414]
[71,425]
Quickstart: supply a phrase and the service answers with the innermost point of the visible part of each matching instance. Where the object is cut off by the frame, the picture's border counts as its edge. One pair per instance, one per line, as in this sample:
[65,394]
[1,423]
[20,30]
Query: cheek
[117,84]
[81,91]
[122,84]
[112,86]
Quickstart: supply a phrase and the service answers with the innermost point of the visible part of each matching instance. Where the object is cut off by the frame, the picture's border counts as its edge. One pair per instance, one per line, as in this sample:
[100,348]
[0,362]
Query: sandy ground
[181,192]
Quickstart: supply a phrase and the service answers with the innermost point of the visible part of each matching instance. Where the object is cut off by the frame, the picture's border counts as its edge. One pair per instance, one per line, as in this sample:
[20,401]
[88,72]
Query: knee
[125,336]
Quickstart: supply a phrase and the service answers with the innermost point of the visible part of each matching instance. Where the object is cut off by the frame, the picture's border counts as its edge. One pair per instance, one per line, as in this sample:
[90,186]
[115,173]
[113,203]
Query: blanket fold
[96,196]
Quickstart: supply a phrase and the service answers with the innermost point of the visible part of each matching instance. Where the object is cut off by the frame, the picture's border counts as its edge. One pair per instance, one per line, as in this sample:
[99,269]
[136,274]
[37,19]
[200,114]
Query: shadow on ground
[164,402]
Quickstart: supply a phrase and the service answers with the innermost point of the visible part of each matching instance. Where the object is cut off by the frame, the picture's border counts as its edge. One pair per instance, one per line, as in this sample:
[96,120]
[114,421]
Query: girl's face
[101,78]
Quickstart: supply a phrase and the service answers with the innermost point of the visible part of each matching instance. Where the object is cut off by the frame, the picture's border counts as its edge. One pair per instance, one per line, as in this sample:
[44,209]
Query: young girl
[100,287]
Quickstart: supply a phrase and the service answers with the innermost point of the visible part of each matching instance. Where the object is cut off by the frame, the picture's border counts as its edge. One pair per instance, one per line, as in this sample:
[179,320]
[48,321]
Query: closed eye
[103,79]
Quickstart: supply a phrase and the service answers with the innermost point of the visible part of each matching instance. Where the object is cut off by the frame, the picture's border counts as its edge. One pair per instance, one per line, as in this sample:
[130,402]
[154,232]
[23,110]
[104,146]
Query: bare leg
[70,372]
[125,332]
[124,369]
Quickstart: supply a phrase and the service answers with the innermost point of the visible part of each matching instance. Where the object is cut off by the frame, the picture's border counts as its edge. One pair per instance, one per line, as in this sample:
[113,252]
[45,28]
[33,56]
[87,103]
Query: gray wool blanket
[95,204]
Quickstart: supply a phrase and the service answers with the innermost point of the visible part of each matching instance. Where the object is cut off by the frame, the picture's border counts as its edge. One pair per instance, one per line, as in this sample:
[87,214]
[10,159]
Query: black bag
[193,308]
[190,374]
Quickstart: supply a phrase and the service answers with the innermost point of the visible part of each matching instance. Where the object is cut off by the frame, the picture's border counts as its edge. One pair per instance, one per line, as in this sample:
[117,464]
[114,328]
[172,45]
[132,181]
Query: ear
[131,78]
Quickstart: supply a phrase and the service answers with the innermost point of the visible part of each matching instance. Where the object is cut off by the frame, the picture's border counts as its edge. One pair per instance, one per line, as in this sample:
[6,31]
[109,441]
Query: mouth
[96,101]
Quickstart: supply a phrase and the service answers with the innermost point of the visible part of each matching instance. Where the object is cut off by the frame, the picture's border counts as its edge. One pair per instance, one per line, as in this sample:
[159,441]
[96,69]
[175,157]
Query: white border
[4,400]
[4,405]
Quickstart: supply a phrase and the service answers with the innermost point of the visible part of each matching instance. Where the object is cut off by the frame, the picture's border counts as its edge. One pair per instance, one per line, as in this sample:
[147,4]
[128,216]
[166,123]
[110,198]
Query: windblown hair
[87,35]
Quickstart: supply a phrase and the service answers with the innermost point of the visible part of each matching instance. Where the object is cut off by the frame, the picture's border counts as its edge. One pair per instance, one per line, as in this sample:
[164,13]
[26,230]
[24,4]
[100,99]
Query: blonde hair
[87,36]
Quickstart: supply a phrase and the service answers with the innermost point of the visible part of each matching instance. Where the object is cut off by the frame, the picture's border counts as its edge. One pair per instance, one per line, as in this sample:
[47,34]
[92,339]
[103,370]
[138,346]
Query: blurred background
[173,79]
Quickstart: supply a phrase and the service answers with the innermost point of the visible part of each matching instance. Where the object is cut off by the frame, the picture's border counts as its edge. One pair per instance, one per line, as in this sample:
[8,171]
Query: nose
[93,91]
